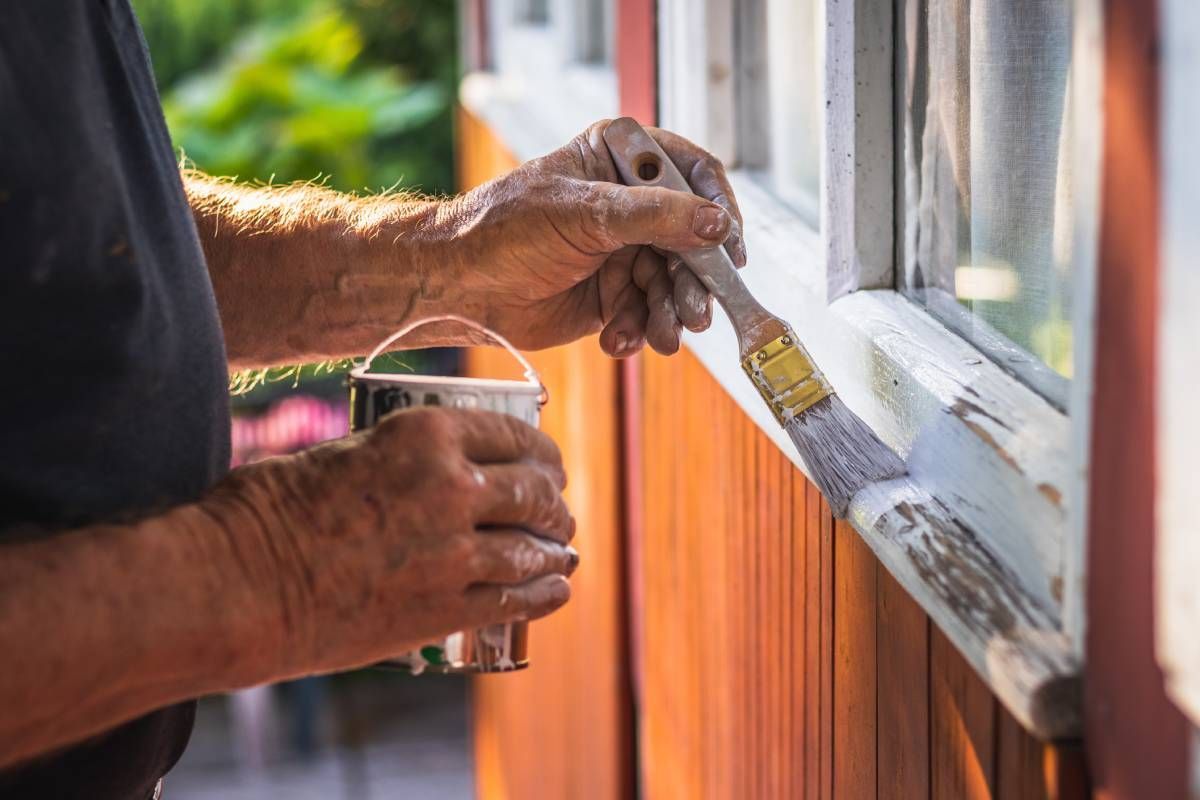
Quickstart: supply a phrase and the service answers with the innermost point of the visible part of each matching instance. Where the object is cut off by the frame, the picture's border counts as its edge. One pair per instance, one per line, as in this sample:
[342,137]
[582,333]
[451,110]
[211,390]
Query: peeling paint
[971,581]
[1051,493]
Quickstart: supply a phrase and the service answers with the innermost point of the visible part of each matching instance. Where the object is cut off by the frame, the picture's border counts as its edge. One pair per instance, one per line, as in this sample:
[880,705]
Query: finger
[626,215]
[509,556]
[662,324]
[524,496]
[489,604]
[489,437]
[596,158]
[706,175]
[693,303]
[735,244]
[625,332]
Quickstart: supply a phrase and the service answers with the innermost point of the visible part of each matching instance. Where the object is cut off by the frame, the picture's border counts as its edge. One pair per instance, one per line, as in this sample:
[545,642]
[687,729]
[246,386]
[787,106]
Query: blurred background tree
[357,92]
[354,93]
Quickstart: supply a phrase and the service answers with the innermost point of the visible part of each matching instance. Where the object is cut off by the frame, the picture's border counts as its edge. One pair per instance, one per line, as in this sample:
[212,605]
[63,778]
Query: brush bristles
[842,454]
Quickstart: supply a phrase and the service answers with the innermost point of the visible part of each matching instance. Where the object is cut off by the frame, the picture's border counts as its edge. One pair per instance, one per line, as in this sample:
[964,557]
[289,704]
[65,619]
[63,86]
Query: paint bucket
[494,648]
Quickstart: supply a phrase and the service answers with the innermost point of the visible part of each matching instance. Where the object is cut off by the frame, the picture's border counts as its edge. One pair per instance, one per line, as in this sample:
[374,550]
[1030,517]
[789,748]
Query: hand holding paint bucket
[493,648]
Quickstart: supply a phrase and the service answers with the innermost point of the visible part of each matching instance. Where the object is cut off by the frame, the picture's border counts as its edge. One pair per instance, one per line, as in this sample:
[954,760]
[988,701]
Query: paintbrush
[842,454]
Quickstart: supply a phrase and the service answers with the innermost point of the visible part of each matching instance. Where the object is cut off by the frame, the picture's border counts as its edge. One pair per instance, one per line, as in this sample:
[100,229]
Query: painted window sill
[976,531]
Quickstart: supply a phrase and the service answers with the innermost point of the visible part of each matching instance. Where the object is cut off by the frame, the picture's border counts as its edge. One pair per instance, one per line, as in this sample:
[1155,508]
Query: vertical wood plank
[583,727]
[903,653]
[802,737]
[854,676]
[828,570]
[1065,770]
[962,724]
[1019,761]
[753,733]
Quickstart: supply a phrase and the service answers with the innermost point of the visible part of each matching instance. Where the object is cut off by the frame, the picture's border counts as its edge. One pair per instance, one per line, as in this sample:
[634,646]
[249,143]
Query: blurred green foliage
[356,91]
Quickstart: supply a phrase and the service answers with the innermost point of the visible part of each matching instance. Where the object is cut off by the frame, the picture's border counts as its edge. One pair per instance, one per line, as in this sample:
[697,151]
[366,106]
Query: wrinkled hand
[434,521]
[559,248]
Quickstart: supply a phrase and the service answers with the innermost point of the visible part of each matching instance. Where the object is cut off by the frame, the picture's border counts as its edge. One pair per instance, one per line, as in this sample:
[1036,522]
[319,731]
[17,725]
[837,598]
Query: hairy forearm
[303,273]
[103,624]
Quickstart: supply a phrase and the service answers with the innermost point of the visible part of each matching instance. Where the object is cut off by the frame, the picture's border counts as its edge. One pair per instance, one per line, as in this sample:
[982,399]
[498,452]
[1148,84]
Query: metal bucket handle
[531,374]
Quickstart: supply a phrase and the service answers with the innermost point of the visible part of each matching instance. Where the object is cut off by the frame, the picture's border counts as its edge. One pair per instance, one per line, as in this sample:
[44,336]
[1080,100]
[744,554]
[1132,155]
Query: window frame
[1177,558]
[987,531]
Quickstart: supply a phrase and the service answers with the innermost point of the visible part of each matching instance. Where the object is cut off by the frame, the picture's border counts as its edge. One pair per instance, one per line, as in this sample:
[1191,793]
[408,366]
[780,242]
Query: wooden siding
[777,657]
[562,728]
[780,658]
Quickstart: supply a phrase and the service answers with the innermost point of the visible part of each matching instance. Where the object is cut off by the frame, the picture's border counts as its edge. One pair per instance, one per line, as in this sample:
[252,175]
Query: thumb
[665,218]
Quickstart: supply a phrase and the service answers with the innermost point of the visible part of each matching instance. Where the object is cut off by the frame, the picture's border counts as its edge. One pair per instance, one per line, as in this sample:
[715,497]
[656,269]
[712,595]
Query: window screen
[533,11]
[794,47]
[593,31]
[985,190]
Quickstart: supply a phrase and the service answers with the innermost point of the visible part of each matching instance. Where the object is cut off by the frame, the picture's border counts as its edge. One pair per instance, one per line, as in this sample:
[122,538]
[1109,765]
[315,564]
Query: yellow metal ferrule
[786,377]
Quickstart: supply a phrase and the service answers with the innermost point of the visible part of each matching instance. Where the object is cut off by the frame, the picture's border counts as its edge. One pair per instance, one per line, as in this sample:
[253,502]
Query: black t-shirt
[113,400]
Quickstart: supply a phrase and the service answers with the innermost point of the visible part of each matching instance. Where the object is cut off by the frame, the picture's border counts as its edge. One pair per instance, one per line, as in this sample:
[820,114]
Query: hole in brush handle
[648,167]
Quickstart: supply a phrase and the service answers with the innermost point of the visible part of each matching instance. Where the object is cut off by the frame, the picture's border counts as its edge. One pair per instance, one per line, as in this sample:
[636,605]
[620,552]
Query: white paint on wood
[858,213]
[1087,76]
[1011,638]
[1178,419]
[989,454]
[977,438]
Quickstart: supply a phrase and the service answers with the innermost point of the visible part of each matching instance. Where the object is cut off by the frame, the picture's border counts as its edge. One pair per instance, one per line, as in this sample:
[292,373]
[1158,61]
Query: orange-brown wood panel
[854,711]
[563,727]
[780,659]
[903,656]
[962,726]
[1019,761]
[822,519]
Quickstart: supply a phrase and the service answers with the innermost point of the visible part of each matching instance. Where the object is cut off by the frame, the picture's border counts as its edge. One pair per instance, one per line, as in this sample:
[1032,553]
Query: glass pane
[987,207]
[593,30]
[533,11]
[795,88]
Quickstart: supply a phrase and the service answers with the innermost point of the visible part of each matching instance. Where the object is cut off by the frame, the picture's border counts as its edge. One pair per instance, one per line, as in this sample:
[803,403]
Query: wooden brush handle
[641,162]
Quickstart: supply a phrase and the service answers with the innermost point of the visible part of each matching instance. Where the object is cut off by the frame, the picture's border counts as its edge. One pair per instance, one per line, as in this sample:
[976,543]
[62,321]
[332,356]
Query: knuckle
[479,561]
[461,477]
[708,163]
[598,205]
[461,548]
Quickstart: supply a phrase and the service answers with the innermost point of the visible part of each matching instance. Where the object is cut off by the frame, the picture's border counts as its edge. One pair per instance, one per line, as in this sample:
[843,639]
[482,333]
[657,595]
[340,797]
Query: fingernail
[619,345]
[572,559]
[560,590]
[711,222]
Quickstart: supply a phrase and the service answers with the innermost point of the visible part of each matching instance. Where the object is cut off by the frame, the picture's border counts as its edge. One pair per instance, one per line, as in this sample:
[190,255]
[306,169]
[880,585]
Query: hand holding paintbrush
[842,454]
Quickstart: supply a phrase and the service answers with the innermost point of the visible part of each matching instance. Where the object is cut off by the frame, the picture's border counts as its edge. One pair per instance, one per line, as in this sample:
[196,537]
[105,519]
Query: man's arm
[106,623]
[550,252]
[435,521]
[303,273]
